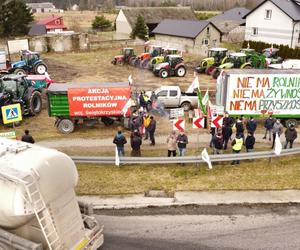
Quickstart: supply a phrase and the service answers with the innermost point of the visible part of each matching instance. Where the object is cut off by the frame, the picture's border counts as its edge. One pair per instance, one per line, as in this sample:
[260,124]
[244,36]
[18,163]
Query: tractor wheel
[20,72]
[181,71]
[40,69]
[65,126]
[120,62]
[247,67]
[209,70]
[163,73]
[215,73]
[35,103]
[107,121]
[186,106]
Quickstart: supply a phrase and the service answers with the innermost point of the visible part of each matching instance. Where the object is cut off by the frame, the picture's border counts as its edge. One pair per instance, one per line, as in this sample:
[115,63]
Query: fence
[186,159]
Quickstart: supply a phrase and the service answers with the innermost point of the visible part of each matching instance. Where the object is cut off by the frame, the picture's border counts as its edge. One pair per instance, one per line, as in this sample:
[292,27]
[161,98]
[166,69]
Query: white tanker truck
[38,206]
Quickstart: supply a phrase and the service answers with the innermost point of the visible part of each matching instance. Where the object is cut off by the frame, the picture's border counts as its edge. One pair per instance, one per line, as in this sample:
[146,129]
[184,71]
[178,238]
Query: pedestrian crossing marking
[11,113]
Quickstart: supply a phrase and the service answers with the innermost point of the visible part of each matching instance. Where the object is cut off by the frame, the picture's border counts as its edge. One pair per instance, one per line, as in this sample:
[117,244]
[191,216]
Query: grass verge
[281,173]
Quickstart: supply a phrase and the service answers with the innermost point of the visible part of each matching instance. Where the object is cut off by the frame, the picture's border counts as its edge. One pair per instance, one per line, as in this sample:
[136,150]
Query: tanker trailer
[38,206]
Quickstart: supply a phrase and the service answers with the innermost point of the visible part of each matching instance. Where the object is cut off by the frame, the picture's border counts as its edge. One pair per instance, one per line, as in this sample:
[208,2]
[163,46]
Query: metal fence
[187,159]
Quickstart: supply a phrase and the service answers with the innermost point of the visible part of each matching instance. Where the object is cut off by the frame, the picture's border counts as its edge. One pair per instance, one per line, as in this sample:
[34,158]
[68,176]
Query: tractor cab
[155,51]
[237,59]
[172,66]
[173,60]
[247,51]
[127,54]
[272,55]
[169,51]
[218,54]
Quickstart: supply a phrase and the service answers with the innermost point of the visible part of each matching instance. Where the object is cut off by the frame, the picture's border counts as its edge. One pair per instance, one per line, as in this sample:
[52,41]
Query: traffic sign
[179,124]
[216,121]
[198,122]
[11,113]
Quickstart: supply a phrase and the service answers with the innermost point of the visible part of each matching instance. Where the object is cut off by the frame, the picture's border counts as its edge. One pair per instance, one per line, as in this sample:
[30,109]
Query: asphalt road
[184,232]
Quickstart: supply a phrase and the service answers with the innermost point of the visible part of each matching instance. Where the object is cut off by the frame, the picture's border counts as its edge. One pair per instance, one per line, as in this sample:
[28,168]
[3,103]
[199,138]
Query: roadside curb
[216,198]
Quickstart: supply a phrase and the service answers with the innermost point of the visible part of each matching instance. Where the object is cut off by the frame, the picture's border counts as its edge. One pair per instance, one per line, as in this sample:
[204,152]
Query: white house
[43,7]
[275,21]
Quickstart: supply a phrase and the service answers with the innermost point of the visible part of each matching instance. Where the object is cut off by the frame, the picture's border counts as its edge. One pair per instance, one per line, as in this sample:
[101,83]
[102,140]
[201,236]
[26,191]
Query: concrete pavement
[192,198]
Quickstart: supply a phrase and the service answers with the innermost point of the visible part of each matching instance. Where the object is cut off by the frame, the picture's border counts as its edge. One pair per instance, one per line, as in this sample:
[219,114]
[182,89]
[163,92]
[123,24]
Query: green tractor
[127,55]
[161,58]
[216,57]
[272,55]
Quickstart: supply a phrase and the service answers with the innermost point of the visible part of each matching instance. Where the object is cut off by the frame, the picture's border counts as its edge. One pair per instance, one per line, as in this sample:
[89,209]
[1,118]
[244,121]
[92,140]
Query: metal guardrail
[110,160]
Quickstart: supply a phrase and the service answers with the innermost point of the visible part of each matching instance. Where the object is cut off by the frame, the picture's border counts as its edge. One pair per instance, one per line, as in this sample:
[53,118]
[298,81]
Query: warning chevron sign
[11,113]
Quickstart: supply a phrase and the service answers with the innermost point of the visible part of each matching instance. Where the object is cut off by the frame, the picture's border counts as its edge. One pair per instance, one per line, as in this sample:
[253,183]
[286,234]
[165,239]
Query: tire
[209,70]
[35,103]
[181,71]
[290,122]
[215,73]
[107,121]
[247,67]
[163,73]
[186,106]
[40,69]
[20,72]
[121,62]
[66,126]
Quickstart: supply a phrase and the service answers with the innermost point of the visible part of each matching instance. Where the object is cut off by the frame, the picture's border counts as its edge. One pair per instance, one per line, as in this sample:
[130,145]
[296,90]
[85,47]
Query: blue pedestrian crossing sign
[11,113]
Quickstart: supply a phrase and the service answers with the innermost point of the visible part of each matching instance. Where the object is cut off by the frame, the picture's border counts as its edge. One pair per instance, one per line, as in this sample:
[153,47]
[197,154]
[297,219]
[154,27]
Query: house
[231,21]
[43,7]
[127,17]
[53,24]
[187,35]
[275,21]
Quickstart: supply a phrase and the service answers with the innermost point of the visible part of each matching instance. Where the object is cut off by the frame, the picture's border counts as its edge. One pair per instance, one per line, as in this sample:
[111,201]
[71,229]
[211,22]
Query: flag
[117,158]
[205,157]
[248,45]
[278,145]
[130,80]
[271,50]
[200,103]
[205,99]
[194,85]
[126,107]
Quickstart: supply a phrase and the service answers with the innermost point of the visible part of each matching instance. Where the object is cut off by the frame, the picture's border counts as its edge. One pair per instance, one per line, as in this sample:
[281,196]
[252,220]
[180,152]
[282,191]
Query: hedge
[284,51]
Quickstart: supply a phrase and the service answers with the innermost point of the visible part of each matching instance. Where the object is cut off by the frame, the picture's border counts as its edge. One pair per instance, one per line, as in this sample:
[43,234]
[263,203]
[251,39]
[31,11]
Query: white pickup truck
[172,97]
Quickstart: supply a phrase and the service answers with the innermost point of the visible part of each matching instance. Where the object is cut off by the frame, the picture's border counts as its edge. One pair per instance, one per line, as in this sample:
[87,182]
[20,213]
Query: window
[173,92]
[268,14]
[205,41]
[254,31]
[162,93]
[207,30]
[299,38]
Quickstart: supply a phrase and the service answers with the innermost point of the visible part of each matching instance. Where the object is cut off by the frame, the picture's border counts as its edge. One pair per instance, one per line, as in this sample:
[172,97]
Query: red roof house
[53,24]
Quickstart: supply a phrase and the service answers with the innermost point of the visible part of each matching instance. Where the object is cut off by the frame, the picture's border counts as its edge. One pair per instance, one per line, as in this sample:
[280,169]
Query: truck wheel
[290,122]
[186,106]
[40,69]
[107,121]
[215,73]
[20,72]
[35,103]
[65,126]
[181,71]
[163,73]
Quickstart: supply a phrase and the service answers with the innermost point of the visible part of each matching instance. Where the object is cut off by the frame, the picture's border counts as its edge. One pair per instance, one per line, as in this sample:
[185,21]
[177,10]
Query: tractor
[17,89]
[272,56]
[173,66]
[30,63]
[127,56]
[143,59]
[161,58]
[216,57]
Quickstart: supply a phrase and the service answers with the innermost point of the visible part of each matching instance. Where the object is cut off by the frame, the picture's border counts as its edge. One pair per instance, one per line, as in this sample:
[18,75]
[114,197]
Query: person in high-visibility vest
[237,145]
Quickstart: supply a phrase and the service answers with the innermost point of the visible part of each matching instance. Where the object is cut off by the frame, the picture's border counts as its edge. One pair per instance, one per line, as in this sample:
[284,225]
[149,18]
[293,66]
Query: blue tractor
[30,63]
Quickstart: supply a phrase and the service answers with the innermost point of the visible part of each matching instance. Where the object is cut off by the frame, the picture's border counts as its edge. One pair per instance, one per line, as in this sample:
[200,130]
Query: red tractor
[127,56]
[173,66]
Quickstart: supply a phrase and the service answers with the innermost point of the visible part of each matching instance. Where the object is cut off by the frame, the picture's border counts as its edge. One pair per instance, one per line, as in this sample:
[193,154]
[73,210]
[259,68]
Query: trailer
[90,103]
[260,93]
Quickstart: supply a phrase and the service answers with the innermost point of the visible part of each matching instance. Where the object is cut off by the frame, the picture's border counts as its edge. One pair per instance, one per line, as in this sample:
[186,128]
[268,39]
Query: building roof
[46,5]
[230,19]
[181,28]
[154,15]
[37,30]
[49,19]
[289,7]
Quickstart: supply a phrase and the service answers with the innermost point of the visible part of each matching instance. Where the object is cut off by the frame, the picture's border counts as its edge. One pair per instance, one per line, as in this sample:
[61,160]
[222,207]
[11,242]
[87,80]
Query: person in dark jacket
[182,141]
[240,127]
[290,136]
[227,132]
[249,142]
[120,141]
[212,132]
[151,130]
[228,120]
[268,124]
[136,142]
[142,101]
[27,137]
[251,125]
[218,143]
